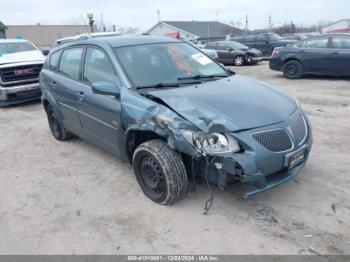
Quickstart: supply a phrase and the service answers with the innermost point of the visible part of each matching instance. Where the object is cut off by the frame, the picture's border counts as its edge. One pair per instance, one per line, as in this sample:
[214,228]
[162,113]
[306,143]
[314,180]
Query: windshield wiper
[201,76]
[161,85]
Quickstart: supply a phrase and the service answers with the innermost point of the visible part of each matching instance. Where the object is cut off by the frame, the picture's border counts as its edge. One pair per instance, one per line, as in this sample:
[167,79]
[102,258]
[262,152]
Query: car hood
[236,103]
[29,56]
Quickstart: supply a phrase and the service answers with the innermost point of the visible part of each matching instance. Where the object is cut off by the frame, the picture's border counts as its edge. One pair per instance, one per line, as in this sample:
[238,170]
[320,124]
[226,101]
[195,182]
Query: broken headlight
[213,143]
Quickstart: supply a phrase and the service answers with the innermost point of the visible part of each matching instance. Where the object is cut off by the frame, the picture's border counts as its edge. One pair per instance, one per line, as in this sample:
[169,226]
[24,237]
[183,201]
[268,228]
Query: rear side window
[54,59]
[98,67]
[250,38]
[211,46]
[70,62]
[316,43]
[340,42]
[261,38]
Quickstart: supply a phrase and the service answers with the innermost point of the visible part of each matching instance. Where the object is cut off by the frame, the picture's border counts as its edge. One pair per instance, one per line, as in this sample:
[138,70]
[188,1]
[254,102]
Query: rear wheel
[293,69]
[57,130]
[160,172]
[239,60]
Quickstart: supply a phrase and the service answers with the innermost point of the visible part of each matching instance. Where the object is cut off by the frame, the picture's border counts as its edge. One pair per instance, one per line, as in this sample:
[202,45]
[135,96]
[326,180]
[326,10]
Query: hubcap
[239,60]
[292,70]
[152,176]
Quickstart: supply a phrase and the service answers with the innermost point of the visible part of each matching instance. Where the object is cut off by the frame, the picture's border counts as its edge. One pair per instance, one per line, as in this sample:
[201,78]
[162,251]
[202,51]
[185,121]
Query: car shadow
[314,77]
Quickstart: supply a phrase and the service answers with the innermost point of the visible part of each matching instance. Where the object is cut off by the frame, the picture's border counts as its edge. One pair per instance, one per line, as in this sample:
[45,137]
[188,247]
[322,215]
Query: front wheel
[293,69]
[160,172]
[239,60]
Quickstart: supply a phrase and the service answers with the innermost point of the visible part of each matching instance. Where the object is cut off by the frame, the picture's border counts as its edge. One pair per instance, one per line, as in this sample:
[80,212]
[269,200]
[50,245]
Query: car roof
[14,40]
[329,35]
[123,40]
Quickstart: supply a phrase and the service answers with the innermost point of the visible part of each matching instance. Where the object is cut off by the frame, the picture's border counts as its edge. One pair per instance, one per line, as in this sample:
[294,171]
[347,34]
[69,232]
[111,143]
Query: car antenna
[210,201]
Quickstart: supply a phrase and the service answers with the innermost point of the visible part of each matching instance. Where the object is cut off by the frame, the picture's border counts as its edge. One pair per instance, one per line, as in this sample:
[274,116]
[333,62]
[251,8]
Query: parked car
[20,65]
[213,54]
[298,36]
[172,112]
[265,42]
[231,52]
[321,55]
[209,52]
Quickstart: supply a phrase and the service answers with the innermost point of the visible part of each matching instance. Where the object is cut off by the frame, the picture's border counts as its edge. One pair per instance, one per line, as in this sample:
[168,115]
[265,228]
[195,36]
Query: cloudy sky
[143,14]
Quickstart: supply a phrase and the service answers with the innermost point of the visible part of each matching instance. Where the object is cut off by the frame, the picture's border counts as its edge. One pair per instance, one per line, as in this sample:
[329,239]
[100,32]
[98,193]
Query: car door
[340,55]
[316,56]
[262,44]
[99,114]
[63,85]
[250,41]
[224,51]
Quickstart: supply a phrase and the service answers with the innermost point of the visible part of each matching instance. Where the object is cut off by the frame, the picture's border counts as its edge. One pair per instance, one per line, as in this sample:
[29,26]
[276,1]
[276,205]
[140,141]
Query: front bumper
[257,166]
[253,59]
[10,95]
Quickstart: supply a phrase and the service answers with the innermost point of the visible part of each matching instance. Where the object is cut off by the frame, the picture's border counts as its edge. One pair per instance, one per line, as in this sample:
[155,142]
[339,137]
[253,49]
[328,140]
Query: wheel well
[291,59]
[45,104]
[137,137]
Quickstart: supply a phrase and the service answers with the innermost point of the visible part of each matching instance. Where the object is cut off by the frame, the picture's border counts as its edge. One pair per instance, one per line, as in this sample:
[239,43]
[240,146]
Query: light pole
[91,21]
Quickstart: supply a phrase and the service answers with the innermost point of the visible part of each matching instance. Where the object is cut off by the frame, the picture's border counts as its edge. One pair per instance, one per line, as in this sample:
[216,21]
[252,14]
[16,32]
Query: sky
[143,14]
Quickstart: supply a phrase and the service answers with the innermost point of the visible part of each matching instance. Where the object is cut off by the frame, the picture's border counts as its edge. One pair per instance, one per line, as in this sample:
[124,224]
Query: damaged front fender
[139,114]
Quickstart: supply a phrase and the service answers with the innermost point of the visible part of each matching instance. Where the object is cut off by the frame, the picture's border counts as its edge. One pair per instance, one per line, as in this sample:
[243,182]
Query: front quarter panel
[142,114]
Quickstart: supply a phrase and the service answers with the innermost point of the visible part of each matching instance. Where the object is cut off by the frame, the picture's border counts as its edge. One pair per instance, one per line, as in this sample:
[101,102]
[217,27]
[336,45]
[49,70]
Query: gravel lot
[73,198]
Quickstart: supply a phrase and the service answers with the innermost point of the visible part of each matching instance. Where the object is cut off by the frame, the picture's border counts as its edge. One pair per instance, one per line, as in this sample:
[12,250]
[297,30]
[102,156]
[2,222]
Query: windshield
[165,63]
[239,46]
[274,36]
[13,47]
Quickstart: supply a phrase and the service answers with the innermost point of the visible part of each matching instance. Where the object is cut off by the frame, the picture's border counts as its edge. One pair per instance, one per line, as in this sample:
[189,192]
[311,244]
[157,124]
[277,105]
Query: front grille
[20,73]
[298,128]
[276,140]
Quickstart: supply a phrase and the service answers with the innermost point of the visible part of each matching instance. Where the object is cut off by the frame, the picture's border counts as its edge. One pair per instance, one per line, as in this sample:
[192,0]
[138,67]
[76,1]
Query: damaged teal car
[174,113]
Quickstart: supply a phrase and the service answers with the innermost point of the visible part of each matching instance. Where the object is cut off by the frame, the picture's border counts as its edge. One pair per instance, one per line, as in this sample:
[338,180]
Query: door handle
[81,95]
[335,53]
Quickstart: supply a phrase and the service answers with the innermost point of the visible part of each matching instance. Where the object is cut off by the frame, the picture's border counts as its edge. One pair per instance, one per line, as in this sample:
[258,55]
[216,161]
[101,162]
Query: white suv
[20,65]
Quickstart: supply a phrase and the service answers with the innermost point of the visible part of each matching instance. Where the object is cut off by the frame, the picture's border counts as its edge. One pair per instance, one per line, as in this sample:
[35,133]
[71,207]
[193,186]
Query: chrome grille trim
[306,131]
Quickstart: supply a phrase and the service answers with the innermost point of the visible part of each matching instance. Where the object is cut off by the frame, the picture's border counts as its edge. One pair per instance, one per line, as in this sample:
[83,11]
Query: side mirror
[45,52]
[106,88]
[230,49]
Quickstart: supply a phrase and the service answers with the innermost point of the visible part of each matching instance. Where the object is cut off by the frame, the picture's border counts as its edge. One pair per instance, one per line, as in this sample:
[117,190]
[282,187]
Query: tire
[57,130]
[239,60]
[293,69]
[160,172]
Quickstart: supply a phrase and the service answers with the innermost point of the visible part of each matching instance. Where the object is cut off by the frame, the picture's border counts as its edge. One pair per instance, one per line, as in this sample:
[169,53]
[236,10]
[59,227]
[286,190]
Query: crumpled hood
[236,102]
[29,56]
[254,51]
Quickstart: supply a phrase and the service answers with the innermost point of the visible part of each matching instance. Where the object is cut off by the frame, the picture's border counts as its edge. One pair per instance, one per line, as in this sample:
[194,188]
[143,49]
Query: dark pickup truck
[265,42]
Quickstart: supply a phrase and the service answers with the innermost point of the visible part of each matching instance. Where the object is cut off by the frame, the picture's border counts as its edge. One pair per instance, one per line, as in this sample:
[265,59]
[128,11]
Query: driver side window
[98,67]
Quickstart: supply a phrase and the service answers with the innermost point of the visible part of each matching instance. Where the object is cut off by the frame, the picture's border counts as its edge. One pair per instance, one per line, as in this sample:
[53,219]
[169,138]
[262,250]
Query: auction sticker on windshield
[202,59]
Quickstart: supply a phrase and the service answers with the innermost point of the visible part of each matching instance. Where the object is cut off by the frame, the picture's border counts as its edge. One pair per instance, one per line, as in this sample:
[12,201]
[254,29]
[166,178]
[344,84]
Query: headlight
[213,143]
